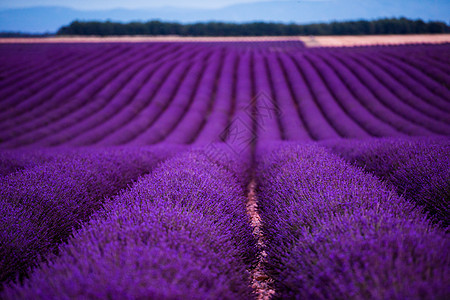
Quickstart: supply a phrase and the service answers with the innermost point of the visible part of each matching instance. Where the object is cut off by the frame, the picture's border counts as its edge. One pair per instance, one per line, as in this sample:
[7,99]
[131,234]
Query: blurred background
[48,16]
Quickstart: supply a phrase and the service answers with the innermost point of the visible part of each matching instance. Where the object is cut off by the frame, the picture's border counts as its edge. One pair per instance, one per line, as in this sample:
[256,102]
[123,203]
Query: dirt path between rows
[261,282]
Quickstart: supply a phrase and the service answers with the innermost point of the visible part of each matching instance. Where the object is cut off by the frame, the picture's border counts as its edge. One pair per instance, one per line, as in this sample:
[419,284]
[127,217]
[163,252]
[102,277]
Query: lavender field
[224,170]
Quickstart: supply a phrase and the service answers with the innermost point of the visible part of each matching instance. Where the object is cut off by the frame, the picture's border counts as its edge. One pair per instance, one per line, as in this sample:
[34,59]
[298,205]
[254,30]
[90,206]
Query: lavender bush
[41,205]
[335,232]
[179,231]
[417,168]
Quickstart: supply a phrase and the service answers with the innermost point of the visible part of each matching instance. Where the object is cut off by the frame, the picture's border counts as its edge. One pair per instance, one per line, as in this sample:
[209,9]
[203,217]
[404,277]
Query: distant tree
[154,27]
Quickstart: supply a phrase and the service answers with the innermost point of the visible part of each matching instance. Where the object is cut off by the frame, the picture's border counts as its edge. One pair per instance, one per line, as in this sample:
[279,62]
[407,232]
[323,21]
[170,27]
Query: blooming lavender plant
[41,205]
[335,232]
[417,168]
[180,231]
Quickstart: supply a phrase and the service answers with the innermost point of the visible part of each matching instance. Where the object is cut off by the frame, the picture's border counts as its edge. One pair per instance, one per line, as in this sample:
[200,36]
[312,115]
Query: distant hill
[49,19]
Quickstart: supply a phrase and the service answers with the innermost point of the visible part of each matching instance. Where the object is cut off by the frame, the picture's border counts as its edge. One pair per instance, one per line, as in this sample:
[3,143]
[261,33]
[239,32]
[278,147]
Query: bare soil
[261,282]
[370,40]
[310,41]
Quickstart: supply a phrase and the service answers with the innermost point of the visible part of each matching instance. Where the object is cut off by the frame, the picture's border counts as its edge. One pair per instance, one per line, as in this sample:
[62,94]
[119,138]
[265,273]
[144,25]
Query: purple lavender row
[344,96]
[160,100]
[41,205]
[435,53]
[334,95]
[331,108]
[405,89]
[437,61]
[23,57]
[47,95]
[436,78]
[396,101]
[30,73]
[132,100]
[417,168]
[203,97]
[240,164]
[291,119]
[64,93]
[16,160]
[239,132]
[420,59]
[355,79]
[15,93]
[223,105]
[131,97]
[27,62]
[268,113]
[179,232]
[419,83]
[315,120]
[259,46]
[379,93]
[334,232]
[84,97]
[106,95]
[179,105]
[266,109]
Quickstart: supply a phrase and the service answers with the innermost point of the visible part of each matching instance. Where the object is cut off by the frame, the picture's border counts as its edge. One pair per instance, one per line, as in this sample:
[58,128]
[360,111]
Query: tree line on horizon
[155,27]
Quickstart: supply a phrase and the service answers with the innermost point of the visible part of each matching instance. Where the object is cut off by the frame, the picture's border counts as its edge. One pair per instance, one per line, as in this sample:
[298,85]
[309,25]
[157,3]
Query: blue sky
[107,4]
[39,16]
